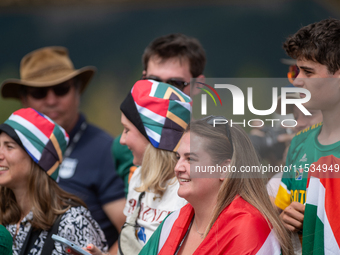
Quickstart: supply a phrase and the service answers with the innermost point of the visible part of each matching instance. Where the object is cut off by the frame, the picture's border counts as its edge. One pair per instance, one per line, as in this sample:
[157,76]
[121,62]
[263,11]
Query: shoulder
[245,216]
[78,224]
[306,133]
[240,229]
[98,132]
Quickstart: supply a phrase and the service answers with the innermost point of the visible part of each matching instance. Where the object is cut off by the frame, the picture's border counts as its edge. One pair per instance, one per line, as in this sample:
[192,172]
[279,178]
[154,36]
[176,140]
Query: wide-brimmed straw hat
[46,67]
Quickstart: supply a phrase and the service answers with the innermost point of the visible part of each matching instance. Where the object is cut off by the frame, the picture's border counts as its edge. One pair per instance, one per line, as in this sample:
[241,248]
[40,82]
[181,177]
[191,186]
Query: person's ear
[225,165]
[144,73]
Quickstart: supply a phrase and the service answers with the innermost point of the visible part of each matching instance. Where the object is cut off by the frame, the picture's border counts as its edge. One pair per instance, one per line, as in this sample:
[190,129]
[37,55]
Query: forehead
[173,67]
[192,143]
[6,137]
[126,122]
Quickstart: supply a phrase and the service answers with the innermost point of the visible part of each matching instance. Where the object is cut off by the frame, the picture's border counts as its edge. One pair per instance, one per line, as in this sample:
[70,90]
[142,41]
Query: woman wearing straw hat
[32,206]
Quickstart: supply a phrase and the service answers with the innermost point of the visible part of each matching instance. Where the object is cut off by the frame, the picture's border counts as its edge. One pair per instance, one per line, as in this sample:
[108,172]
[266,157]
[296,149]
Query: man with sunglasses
[173,59]
[50,84]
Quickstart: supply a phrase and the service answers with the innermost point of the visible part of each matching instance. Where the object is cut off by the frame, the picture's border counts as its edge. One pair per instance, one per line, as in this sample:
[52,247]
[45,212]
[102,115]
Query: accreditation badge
[67,168]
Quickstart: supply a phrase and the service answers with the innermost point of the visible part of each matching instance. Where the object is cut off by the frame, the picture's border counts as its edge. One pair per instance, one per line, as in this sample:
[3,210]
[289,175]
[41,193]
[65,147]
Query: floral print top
[76,225]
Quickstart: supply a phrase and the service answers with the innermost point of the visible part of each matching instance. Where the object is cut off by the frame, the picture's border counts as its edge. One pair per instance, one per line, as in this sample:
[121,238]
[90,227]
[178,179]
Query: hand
[90,248]
[292,216]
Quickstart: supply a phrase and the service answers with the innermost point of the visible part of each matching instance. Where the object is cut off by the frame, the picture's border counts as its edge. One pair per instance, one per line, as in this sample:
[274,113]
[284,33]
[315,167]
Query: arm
[114,211]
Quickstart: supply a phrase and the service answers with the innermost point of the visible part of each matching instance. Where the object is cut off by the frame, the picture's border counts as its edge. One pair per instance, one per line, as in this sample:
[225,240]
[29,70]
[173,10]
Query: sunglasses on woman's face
[180,84]
[40,93]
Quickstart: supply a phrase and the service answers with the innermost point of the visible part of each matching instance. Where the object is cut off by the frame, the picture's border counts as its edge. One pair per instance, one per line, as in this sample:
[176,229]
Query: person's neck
[330,131]
[22,198]
[70,129]
[203,213]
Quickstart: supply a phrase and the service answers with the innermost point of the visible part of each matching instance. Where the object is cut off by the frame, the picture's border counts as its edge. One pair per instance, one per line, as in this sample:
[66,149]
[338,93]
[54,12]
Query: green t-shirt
[304,150]
[123,161]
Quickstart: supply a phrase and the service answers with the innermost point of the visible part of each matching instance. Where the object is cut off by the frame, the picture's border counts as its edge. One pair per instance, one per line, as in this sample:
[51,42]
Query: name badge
[67,168]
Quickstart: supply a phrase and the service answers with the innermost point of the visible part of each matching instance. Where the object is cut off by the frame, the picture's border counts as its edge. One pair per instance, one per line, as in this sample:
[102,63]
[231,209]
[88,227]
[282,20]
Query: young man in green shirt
[316,48]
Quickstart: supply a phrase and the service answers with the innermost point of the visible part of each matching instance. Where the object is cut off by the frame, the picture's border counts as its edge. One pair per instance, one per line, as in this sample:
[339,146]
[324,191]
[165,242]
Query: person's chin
[137,162]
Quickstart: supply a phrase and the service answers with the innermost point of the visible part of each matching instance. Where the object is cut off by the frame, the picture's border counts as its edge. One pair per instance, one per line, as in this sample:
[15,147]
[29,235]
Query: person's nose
[51,98]
[122,140]
[179,167]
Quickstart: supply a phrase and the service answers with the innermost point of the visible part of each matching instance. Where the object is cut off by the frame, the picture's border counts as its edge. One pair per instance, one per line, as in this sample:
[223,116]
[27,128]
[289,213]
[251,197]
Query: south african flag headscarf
[159,111]
[43,140]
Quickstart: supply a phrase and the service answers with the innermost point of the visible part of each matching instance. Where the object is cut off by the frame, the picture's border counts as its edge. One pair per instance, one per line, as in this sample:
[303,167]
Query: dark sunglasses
[172,81]
[210,120]
[40,93]
[293,73]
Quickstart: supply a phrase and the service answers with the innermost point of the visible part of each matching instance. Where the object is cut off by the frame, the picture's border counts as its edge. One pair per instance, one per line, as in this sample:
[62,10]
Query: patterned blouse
[76,225]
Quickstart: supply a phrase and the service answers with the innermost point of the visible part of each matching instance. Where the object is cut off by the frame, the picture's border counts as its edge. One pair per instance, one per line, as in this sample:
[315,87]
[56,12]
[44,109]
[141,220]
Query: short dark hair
[177,46]
[318,42]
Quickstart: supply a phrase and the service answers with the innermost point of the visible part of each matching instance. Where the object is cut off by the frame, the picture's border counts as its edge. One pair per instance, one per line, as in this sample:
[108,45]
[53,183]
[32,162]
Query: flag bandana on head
[42,139]
[163,111]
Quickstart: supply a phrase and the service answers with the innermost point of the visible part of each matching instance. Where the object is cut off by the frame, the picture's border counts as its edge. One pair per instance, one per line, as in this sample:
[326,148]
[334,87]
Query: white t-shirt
[153,208]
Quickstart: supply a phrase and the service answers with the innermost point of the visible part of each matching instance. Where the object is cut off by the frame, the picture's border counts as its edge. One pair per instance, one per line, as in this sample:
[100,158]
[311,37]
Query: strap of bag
[132,221]
[134,216]
[33,235]
[49,242]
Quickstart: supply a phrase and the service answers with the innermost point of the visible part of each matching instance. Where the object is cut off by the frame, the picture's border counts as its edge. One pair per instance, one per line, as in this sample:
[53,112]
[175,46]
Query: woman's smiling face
[15,163]
[191,156]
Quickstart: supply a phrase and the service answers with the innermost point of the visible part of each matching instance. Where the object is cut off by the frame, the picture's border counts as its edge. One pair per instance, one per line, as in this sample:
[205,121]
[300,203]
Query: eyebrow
[9,142]
[306,68]
[190,154]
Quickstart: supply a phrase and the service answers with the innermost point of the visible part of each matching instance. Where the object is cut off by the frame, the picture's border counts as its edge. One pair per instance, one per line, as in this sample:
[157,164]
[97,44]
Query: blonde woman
[154,116]
[230,212]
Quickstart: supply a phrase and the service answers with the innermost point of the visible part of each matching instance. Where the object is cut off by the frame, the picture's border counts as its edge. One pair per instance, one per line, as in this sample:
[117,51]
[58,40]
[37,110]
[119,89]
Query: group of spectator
[134,194]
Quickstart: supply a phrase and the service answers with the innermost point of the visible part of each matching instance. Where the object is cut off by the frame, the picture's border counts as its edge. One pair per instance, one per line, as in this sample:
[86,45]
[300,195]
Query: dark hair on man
[177,46]
[318,42]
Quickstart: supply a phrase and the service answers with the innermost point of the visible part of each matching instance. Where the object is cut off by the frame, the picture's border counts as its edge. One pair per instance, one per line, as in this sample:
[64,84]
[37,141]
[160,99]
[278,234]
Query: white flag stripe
[153,134]
[270,246]
[320,191]
[28,145]
[28,125]
[285,187]
[151,115]
[316,197]
[313,196]
[185,105]
[330,243]
[154,87]
[167,226]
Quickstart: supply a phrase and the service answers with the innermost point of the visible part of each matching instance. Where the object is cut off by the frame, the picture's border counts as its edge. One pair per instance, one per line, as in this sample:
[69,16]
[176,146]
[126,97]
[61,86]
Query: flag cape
[240,229]
[321,226]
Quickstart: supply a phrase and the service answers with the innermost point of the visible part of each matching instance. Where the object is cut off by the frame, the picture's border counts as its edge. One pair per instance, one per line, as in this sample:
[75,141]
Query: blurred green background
[241,39]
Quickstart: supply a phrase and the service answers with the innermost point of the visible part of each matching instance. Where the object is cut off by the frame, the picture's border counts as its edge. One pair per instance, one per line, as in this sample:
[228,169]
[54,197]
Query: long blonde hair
[48,200]
[157,169]
[250,186]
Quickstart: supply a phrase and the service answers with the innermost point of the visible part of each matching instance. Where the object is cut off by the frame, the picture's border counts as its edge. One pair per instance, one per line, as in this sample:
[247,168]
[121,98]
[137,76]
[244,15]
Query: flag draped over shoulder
[321,226]
[240,229]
